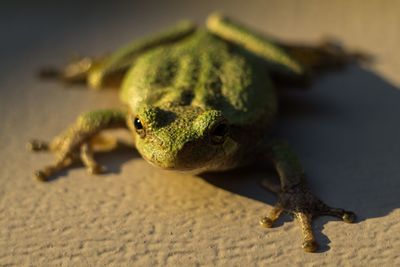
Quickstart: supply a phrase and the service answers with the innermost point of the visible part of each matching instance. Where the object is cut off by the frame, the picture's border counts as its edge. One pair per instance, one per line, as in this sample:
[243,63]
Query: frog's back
[205,71]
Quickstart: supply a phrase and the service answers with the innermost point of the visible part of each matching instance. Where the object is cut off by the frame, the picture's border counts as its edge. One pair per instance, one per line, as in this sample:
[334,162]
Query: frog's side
[201,100]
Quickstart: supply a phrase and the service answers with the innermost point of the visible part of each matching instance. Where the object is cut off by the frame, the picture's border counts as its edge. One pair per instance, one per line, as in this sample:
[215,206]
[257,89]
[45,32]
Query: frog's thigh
[262,46]
[115,65]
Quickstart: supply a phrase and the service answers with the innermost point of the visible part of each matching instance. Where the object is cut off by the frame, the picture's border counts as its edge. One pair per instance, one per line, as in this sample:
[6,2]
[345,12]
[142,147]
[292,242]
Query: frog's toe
[37,145]
[96,169]
[310,246]
[46,173]
[88,160]
[344,215]
[349,217]
[40,175]
[273,215]
[304,206]
[266,222]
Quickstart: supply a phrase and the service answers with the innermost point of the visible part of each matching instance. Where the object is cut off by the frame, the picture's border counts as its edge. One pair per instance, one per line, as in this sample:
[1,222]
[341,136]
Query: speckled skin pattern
[200,100]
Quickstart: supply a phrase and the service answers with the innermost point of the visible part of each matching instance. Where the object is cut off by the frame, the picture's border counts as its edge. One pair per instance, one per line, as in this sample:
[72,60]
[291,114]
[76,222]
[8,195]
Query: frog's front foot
[66,155]
[77,143]
[304,206]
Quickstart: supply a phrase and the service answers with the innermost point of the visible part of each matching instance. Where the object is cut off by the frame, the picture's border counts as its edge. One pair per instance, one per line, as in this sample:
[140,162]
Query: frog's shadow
[362,107]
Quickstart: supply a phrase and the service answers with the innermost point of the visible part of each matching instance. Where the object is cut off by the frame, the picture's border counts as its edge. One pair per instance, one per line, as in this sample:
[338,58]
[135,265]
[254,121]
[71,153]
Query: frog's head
[181,137]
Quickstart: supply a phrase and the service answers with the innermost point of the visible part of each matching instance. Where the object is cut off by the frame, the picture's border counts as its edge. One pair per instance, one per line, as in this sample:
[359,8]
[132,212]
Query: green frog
[201,100]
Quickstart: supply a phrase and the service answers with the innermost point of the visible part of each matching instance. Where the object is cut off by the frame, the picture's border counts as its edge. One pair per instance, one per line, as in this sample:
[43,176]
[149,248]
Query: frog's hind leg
[79,70]
[289,64]
[326,55]
[96,73]
[109,70]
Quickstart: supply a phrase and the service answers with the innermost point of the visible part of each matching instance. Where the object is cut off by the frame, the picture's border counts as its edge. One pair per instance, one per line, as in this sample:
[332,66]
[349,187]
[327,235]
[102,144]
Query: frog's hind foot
[304,206]
[334,54]
[37,145]
[76,72]
[328,54]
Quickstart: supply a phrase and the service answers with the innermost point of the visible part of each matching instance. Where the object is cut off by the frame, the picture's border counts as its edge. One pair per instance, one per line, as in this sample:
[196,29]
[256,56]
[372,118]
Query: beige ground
[345,130]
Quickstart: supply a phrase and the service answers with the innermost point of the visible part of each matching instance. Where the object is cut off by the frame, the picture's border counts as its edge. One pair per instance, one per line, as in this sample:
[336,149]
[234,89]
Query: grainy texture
[345,130]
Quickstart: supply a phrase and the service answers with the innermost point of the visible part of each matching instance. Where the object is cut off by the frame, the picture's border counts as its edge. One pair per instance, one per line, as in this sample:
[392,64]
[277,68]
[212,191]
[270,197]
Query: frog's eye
[139,127]
[219,132]
[138,124]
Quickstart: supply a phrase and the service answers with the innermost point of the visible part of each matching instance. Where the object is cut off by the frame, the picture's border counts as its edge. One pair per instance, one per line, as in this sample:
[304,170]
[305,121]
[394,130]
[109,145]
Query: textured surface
[345,130]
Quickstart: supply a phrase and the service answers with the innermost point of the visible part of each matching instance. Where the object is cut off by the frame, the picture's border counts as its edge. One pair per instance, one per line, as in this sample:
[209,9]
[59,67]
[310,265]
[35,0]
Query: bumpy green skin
[199,100]
[94,120]
[202,71]
[199,76]
[276,57]
[122,59]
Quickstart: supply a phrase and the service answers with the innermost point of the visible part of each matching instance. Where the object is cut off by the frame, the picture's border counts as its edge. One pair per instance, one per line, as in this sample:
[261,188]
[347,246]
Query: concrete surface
[345,129]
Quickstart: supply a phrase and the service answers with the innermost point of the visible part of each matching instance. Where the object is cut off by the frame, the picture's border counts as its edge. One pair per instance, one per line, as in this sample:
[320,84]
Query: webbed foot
[304,206]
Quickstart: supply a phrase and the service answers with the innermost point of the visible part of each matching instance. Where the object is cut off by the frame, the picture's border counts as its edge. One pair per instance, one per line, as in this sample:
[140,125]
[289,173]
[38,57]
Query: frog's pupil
[138,124]
[220,130]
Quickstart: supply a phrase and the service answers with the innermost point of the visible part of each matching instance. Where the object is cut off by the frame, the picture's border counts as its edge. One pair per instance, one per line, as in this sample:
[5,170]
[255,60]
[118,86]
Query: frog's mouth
[192,157]
[175,166]
[192,171]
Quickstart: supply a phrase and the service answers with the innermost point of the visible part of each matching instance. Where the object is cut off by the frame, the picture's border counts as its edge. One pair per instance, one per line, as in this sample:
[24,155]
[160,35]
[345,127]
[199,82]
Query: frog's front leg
[294,195]
[75,144]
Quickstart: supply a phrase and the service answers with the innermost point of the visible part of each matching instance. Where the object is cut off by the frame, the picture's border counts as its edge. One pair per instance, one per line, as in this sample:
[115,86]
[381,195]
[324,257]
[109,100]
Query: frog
[201,100]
